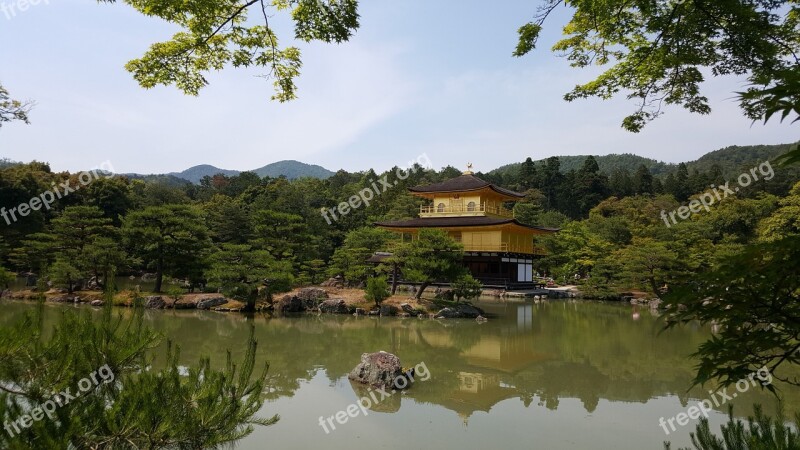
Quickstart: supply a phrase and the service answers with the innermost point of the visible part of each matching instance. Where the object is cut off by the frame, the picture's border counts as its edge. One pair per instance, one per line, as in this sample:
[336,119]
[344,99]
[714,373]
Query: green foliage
[760,433]
[241,270]
[350,260]
[214,34]
[13,109]
[284,235]
[377,290]
[111,195]
[753,299]
[466,287]
[6,277]
[132,404]
[779,95]
[103,257]
[791,157]
[607,164]
[528,35]
[63,274]
[313,269]
[785,221]
[158,193]
[432,256]
[228,220]
[656,52]
[647,263]
[172,239]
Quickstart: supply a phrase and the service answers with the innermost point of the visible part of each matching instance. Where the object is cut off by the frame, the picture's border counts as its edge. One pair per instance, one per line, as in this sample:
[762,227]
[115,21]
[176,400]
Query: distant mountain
[737,159]
[196,173]
[293,169]
[288,169]
[607,163]
[731,159]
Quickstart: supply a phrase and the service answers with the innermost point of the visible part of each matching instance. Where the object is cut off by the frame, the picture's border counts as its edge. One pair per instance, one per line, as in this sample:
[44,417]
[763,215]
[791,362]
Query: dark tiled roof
[443,222]
[467,182]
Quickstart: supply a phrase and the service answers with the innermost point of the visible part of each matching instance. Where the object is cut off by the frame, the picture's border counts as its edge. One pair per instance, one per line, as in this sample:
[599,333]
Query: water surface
[554,375]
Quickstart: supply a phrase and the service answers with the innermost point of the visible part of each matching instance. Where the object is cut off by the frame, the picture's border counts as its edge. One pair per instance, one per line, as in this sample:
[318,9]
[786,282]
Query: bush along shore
[330,298]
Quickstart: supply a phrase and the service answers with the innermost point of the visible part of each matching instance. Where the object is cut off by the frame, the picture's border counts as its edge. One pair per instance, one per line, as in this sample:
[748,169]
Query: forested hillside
[734,159]
[729,159]
[607,164]
[193,232]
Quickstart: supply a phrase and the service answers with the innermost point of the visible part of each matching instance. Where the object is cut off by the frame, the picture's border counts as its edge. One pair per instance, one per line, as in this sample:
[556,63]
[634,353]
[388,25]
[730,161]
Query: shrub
[377,290]
[760,433]
[466,287]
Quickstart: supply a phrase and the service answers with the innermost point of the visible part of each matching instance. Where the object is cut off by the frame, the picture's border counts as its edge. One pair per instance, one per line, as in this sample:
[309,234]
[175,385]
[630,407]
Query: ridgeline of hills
[289,169]
[730,159]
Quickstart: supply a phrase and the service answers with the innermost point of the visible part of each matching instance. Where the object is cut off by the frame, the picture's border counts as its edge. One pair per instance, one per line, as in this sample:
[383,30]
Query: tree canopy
[218,33]
[11,109]
[132,401]
[659,52]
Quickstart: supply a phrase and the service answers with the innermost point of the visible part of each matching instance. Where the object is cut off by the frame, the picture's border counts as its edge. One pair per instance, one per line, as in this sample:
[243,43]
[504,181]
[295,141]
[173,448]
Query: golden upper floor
[465,196]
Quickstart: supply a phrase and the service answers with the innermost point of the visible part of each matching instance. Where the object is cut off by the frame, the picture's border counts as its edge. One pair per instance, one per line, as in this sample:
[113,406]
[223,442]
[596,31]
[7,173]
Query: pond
[553,375]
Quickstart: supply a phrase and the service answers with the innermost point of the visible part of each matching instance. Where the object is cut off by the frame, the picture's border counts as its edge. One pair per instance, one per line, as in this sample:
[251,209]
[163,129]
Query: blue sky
[434,77]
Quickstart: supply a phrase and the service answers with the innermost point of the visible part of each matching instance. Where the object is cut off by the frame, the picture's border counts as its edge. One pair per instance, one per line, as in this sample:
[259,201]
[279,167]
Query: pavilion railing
[476,209]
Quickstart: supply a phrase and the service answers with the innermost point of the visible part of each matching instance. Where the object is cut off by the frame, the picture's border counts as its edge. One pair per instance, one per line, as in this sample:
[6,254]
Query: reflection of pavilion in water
[477,392]
[490,360]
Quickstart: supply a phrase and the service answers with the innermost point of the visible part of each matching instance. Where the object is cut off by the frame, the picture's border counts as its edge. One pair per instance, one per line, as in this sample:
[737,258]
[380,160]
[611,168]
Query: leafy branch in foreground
[657,51]
[754,299]
[138,406]
[11,109]
[761,433]
[216,33]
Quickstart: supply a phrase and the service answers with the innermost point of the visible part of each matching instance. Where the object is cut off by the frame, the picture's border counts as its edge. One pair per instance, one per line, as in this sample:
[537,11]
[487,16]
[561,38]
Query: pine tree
[643,181]
[125,402]
[527,174]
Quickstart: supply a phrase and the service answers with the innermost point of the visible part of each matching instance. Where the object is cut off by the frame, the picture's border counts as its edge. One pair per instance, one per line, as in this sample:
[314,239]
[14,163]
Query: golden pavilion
[498,249]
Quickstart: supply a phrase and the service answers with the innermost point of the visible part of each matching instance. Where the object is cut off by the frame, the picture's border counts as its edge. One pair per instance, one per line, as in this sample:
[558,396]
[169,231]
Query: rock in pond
[381,370]
[460,311]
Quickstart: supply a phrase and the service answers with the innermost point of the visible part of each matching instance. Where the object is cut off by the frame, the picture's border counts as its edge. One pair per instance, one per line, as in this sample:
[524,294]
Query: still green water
[554,375]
